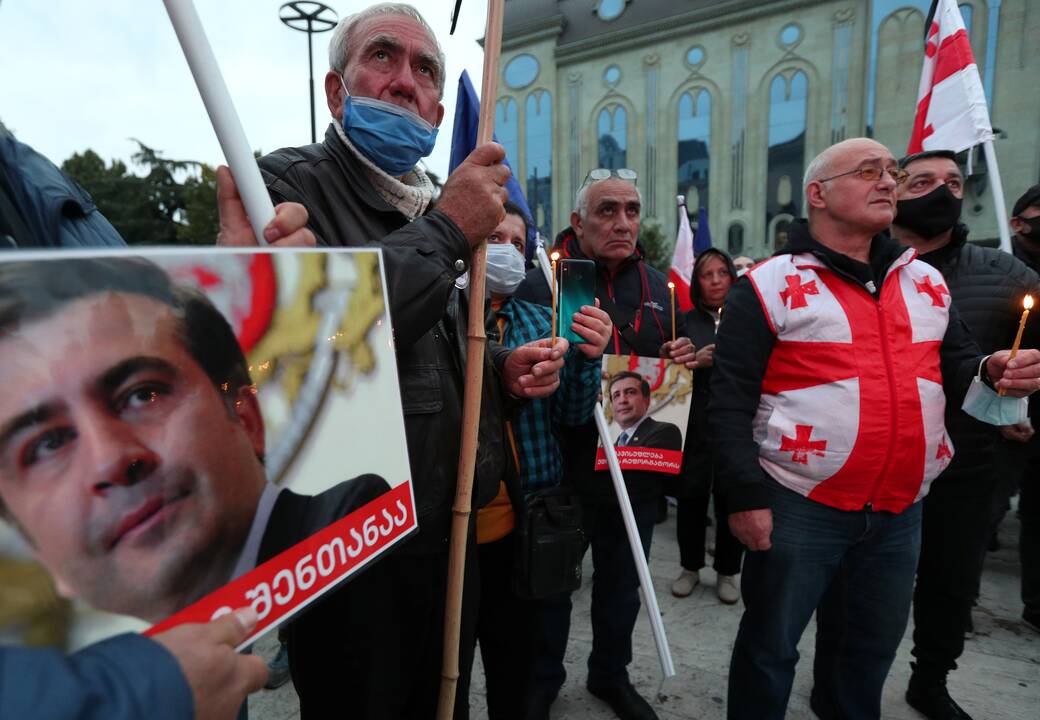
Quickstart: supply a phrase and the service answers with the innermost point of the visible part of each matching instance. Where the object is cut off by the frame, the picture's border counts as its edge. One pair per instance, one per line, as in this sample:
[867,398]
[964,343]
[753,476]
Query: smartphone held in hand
[577,280]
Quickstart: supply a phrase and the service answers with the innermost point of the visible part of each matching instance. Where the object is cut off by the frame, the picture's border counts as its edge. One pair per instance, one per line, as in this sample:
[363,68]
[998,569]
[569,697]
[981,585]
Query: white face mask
[505,268]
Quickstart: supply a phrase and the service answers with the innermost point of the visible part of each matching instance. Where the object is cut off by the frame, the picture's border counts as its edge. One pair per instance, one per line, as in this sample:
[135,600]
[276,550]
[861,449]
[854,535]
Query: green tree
[201,219]
[157,208]
[658,249]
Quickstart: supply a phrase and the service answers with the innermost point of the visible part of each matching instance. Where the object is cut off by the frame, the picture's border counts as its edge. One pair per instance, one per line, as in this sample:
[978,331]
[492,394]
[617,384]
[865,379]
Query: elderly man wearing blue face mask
[373,649]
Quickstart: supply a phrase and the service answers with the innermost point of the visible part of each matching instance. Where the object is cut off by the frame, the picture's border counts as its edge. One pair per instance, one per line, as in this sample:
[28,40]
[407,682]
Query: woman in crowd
[713,274]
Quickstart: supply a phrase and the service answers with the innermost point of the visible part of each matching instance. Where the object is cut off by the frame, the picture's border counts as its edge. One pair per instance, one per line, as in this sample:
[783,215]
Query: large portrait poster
[199,430]
[647,404]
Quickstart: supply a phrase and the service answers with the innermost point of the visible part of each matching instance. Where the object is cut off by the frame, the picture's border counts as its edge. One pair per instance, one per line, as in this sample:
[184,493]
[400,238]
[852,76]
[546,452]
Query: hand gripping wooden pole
[475,346]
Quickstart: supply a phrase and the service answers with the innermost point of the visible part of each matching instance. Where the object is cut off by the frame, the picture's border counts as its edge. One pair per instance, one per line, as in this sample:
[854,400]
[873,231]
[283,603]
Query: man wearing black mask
[987,287]
[1025,221]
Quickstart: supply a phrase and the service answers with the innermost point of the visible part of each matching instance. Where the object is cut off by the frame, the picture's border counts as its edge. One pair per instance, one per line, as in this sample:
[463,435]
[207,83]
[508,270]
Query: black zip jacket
[700,323]
[1030,257]
[422,259]
[743,346]
[647,305]
[987,286]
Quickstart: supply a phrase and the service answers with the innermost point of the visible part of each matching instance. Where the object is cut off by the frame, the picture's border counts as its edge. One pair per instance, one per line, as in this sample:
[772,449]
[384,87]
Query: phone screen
[577,288]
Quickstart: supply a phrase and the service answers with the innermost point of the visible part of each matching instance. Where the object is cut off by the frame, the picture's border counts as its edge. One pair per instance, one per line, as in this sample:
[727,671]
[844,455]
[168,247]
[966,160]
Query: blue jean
[615,600]
[856,571]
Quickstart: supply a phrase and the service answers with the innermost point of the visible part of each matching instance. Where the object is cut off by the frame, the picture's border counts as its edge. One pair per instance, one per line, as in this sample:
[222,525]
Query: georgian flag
[681,272]
[951,104]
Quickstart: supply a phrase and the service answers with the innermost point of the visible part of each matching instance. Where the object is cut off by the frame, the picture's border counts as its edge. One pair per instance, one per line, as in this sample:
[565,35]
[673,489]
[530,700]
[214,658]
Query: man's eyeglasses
[606,173]
[872,173]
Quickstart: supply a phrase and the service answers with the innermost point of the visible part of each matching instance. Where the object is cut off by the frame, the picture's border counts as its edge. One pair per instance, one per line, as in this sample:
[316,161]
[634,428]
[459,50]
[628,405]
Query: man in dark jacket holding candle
[987,286]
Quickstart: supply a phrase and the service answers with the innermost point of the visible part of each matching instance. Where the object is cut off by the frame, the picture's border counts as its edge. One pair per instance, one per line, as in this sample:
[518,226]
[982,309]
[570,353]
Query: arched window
[882,10]
[507,129]
[613,136]
[539,159]
[778,228]
[735,239]
[788,102]
[694,136]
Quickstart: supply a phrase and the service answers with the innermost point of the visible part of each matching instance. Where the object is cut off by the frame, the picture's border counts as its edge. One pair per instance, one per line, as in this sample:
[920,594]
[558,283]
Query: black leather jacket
[422,260]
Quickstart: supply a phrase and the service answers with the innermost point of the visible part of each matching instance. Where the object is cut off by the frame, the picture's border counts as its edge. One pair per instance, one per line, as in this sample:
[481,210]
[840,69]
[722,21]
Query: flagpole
[998,195]
[476,341]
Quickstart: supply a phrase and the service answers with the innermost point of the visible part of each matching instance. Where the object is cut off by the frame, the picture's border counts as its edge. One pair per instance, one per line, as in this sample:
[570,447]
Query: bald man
[834,361]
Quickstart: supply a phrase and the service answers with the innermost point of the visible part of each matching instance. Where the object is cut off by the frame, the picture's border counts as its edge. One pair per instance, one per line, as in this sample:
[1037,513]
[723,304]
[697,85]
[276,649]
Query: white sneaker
[685,583]
[727,589]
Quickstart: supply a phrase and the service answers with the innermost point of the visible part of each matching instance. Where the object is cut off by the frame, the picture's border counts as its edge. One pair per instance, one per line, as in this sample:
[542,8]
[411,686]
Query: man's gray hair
[340,45]
[581,200]
[818,167]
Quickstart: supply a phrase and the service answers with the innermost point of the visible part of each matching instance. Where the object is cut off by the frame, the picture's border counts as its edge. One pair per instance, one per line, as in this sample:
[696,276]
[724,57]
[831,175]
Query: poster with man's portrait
[647,404]
[199,430]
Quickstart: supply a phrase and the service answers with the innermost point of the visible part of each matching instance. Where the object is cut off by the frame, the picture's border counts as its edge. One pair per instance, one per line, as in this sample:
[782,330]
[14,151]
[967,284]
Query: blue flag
[702,238]
[464,140]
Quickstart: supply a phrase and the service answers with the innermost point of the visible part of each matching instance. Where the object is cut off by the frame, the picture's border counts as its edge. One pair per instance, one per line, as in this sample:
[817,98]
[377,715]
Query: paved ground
[999,676]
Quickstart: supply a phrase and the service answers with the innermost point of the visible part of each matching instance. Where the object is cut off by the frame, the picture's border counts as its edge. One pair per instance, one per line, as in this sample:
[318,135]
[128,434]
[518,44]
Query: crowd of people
[846,424]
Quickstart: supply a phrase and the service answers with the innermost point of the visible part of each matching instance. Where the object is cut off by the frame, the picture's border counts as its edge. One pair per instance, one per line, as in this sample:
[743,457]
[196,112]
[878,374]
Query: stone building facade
[726,101]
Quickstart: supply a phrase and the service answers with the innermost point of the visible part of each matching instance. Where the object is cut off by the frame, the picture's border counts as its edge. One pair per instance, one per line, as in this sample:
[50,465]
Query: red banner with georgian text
[643,458]
[293,579]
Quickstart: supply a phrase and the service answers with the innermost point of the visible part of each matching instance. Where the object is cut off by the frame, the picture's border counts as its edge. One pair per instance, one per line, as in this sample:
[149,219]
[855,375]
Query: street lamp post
[309,17]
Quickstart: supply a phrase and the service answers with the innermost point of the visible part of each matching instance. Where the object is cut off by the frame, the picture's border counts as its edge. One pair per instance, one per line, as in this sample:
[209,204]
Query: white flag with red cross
[683,258]
[951,104]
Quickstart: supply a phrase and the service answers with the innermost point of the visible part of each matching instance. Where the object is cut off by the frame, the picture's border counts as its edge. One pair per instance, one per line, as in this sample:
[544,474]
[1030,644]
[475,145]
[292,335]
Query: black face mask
[929,215]
[1034,231]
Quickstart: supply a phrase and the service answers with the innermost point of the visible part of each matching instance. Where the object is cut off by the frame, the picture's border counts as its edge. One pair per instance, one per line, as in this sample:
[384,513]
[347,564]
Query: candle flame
[671,286]
[1027,303]
[555,256]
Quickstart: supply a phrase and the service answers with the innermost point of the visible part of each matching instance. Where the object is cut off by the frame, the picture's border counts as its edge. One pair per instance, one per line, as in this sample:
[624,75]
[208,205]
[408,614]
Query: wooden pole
[475,348]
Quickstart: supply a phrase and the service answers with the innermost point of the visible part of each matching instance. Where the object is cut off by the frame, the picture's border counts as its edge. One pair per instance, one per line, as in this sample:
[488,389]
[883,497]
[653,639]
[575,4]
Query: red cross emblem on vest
[796,291]
[801,446]
[944,451]
[935,292]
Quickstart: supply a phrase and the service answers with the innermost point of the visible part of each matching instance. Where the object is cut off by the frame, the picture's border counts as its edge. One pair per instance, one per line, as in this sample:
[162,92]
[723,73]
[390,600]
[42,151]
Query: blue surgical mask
[505,268]
[390,136]
[985,405]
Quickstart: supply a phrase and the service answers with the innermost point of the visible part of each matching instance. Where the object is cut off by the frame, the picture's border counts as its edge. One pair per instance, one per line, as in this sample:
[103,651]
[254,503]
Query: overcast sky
[78,74]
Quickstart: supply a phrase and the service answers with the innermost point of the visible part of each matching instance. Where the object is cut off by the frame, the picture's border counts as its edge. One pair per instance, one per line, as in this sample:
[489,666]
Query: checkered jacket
[535,429]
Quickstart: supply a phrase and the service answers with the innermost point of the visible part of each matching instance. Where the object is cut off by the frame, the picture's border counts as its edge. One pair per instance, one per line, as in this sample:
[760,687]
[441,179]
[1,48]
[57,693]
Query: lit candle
[555,296]
[1027,303]
[671,290]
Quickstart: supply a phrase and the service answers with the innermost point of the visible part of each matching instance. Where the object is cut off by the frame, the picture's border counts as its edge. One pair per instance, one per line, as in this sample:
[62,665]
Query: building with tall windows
[725,101]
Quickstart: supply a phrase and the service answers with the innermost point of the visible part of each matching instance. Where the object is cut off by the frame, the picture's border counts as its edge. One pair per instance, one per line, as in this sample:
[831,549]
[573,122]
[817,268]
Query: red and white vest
[851,409]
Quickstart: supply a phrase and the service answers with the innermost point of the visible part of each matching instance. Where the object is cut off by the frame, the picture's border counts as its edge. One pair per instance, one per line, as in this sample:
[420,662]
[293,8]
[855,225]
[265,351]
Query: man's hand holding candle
[533,370]
[680,351]
[1018,377]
